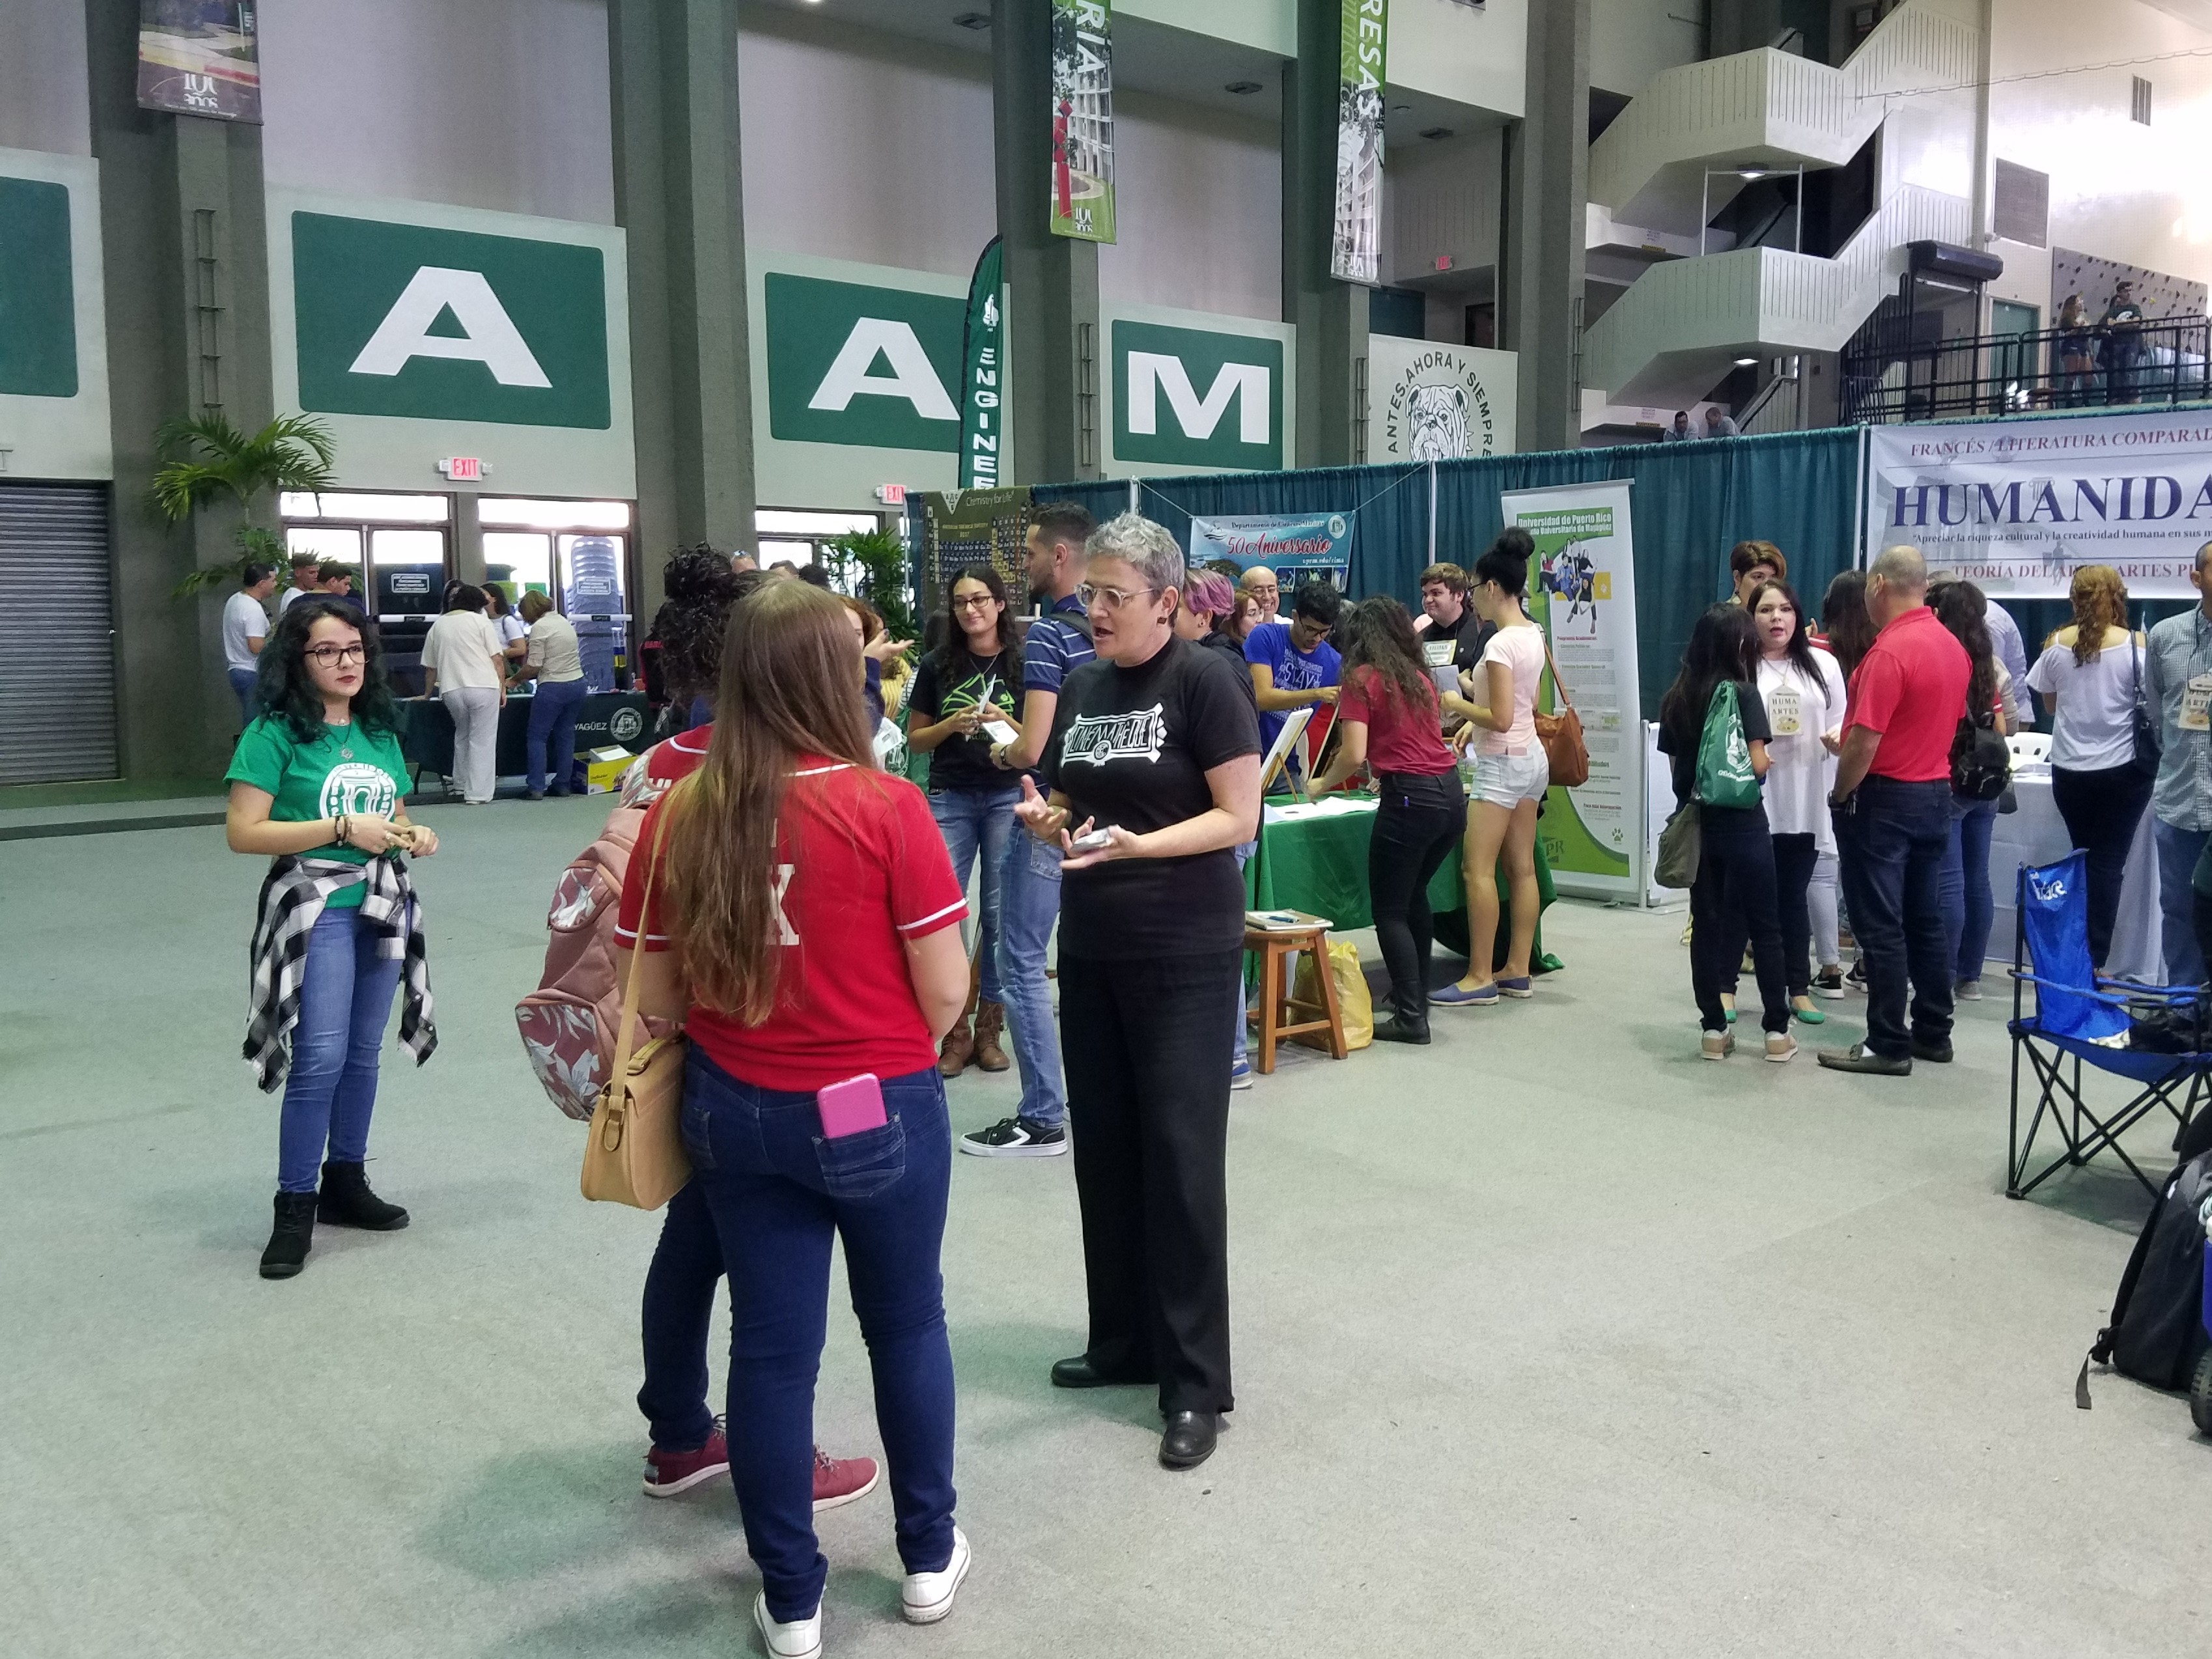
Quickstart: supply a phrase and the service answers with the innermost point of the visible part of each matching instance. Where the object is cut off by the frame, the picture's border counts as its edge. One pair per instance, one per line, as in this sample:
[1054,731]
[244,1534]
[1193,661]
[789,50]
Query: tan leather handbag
[636,1153]
[1561,734]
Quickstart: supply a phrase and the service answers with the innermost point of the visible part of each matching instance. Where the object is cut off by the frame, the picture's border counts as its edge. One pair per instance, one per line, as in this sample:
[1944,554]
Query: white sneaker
[799,1639]
[927,1597]
[1781,1047]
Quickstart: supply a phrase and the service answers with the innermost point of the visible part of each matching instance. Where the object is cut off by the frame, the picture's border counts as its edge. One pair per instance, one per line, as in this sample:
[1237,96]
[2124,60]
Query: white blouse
[1800,770]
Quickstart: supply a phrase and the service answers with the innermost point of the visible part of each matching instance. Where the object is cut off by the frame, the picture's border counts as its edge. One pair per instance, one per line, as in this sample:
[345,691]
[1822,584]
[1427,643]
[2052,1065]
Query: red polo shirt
[1911,688]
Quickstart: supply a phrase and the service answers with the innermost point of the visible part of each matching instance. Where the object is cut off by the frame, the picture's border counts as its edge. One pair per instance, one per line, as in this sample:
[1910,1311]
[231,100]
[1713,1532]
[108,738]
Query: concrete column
[468,539]
[1331,317]
[679,194]
[1547,184]
[1054,353]
[185,247]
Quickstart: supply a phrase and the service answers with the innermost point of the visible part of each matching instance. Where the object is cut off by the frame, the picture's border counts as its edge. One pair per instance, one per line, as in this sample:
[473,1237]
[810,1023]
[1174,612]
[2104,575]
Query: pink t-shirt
[1521,650]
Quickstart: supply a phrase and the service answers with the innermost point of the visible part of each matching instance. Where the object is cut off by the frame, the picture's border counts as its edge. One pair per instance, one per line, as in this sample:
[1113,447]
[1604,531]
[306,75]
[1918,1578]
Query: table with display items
[620,719]
[2036,835]
[1314,858]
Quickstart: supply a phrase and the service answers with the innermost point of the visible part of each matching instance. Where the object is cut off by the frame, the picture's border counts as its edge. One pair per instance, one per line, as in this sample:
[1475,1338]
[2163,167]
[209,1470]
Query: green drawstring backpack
[1724,774]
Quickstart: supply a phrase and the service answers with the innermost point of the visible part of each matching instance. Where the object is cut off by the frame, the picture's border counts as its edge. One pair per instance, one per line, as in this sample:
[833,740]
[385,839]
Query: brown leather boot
[957,1051]
[990,1021]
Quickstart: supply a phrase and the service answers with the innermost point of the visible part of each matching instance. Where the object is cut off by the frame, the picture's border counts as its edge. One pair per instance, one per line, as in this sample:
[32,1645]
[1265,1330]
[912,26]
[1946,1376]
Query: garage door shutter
[57,654]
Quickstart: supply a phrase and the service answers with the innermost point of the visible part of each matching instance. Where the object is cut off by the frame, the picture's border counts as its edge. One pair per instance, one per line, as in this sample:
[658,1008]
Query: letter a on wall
[488,334]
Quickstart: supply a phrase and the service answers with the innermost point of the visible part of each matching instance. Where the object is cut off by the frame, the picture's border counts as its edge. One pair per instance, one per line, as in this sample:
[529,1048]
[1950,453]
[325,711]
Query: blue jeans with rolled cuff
[780,1193]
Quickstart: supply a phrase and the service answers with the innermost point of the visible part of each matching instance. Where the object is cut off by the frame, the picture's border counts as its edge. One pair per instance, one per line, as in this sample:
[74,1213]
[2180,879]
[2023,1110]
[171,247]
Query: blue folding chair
[2081,1017]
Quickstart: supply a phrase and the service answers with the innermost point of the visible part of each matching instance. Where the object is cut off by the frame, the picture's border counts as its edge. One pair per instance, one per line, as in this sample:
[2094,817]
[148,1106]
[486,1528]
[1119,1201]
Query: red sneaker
[842,1479]
[667,1473]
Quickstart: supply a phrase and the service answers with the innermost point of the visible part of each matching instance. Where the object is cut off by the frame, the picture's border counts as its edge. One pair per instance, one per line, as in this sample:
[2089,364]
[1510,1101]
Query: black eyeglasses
[330,656]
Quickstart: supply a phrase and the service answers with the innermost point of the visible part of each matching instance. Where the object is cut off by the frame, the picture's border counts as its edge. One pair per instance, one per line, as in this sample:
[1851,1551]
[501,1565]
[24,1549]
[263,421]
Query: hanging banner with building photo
[1294,545]
[1355,252]
[982,357]
[200,58]
[2016,506]
[1582,588]
[1082,119]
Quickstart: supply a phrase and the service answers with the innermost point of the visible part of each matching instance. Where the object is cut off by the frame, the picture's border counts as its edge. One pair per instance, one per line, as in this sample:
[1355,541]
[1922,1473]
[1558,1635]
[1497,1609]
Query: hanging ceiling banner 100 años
[1082,119]
[1355,252]
[200,58]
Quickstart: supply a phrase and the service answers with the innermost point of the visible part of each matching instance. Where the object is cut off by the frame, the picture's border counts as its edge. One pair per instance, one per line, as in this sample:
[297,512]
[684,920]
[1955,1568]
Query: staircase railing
[1886,377]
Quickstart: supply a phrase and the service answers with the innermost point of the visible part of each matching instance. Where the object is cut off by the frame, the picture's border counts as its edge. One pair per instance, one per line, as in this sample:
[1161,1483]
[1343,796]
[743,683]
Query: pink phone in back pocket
[849,1107]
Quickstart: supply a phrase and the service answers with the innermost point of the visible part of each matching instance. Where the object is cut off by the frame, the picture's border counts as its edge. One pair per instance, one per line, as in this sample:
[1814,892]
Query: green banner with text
[982,362]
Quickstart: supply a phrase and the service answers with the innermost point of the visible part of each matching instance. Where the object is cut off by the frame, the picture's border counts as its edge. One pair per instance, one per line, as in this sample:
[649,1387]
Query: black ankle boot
[1405,1024]
[346,1201]
[294,1237]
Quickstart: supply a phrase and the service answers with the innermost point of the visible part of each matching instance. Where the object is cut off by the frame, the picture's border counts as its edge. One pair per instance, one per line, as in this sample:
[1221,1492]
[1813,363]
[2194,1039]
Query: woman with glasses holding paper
[803,926]
[962,703]
[1152,777]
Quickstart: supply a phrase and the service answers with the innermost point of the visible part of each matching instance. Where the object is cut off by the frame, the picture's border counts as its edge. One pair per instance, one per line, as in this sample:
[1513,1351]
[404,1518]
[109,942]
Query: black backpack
[2157,1334]
[1981,762]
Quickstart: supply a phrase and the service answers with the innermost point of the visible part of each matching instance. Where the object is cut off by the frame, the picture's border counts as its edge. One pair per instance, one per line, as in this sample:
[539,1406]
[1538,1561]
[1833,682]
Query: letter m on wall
[1197,398]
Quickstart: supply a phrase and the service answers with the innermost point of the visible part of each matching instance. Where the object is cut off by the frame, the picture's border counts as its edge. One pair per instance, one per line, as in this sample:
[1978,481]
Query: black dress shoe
[1860,1058]
[1189,1439]
[1398,1029]
[1936,1053]
[1080,1373]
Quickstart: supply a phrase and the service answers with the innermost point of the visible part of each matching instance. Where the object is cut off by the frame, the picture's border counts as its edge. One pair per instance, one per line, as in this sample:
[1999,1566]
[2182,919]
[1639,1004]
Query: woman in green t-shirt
[317,784]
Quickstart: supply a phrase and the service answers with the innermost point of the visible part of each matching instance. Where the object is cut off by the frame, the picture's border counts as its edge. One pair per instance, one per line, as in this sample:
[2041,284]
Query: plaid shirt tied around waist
[292,900]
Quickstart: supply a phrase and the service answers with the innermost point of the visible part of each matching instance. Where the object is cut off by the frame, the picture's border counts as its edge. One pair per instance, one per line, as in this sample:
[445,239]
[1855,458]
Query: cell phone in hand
[852,1106]
[1091,842]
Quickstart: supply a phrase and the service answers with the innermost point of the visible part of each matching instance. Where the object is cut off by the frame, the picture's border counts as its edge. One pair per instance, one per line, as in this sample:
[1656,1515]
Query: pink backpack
[568,1023]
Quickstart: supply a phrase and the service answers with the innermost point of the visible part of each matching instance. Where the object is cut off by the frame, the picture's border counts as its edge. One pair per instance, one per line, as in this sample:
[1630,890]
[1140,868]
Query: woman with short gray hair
[1153,774]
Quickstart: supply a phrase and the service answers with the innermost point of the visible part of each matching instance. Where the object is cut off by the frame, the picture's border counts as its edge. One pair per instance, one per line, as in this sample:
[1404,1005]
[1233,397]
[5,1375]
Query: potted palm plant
[206,459]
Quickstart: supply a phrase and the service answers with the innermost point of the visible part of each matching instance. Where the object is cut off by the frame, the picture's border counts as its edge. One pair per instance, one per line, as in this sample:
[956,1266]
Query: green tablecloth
[1319,866]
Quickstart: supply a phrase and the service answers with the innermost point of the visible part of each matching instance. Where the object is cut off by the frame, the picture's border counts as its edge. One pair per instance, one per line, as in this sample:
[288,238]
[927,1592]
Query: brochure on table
[1582,589]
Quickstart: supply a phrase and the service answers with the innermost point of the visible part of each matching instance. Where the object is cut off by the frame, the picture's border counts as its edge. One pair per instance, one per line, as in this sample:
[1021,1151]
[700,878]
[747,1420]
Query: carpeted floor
[1550,1340]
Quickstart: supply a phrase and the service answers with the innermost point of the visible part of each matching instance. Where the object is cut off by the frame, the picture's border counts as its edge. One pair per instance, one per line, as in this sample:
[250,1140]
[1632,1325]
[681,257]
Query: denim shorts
[1506,780]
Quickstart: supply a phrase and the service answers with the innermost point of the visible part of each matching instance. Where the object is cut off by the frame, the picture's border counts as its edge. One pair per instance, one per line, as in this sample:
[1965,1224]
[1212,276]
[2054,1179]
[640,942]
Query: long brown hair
[1965,609]
[2100,602]
[1379,637]
[789,688]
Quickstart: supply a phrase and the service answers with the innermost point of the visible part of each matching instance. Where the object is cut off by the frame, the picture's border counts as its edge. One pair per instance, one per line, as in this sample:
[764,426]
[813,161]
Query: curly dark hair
[700,587]
[285,686]
[1379,637]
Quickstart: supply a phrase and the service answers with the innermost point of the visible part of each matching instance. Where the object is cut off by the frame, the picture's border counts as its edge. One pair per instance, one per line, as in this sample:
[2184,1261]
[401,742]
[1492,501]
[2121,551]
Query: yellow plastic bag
[1353,1000]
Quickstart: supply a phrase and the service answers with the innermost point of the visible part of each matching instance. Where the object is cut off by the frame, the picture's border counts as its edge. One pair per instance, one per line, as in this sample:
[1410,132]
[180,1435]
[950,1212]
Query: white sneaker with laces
[927,1597]
[799,1639]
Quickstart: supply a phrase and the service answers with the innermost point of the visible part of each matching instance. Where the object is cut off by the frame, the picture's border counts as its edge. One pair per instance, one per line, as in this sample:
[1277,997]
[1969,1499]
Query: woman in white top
[2090,672]
[464,667]
[513,630]
[1510,775]
[553,658]
[1803,690]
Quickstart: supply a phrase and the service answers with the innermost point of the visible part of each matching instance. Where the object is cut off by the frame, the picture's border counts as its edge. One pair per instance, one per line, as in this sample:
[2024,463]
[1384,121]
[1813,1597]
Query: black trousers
[1417,822]
[2101,810]
[1733,898]
[1147,1046]
[1794,859]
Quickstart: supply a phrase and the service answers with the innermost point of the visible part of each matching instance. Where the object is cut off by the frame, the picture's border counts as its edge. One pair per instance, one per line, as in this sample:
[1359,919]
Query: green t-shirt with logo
[353,769]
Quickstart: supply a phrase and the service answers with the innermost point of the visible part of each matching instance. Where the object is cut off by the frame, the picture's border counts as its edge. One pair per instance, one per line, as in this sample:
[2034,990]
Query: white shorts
[1506,780]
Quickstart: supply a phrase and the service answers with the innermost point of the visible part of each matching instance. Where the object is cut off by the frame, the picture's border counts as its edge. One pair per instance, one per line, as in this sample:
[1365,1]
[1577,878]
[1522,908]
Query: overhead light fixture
[1747,363]
[1751,173]
[1242,88]
[972,19]
[1433,133]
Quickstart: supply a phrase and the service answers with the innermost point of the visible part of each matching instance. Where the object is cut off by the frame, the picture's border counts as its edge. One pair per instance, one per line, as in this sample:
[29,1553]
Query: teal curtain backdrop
[1691,503]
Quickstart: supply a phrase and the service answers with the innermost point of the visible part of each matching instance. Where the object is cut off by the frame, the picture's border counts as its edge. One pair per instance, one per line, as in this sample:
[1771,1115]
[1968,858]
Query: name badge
[1439,653]
[2196,704]
[1784,711]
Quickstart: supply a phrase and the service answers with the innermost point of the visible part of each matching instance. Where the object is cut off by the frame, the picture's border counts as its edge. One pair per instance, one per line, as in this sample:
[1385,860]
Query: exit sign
[891,494]
[464,468]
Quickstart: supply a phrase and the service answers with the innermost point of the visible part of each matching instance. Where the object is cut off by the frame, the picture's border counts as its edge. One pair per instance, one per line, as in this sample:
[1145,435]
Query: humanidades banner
[2017,507]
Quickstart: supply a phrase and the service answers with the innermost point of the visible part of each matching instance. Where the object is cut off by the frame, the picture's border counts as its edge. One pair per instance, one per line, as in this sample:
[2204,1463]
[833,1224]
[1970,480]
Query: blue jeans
[679,1304]
[779,1194]
[972,821]
[242,682]
[1969,908]
[345,997]
[1891,836]
[2177,853]
[1029,904]
[553,721]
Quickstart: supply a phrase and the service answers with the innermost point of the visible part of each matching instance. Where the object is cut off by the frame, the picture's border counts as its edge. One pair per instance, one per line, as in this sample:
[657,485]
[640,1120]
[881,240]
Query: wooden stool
[1278,948]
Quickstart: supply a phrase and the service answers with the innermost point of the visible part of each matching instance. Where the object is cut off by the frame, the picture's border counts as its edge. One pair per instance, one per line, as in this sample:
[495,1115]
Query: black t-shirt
[1233,653]
[1132,746]
[1470,635]
[1681,747]
[969,681]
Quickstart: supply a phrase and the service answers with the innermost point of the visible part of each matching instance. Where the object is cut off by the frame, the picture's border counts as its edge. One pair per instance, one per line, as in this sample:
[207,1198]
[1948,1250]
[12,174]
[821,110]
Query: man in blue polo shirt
[1028,880]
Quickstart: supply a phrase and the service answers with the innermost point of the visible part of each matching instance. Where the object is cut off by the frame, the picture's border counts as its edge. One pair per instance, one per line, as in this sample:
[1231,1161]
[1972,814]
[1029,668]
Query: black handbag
[2147,736]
